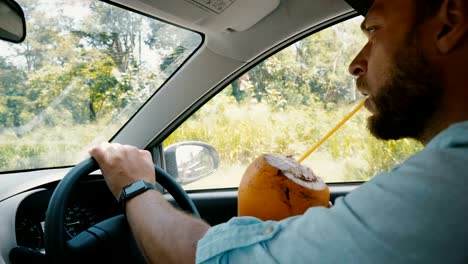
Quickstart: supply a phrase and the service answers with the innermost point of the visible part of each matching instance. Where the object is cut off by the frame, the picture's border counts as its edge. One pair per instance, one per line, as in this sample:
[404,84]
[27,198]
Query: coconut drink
[275,187]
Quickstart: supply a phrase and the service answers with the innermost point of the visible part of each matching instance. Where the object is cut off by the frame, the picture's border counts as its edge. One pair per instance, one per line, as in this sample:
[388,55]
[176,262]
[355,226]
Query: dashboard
[90,203]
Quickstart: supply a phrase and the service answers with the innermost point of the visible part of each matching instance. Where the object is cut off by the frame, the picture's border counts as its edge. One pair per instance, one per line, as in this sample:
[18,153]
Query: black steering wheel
[110,240]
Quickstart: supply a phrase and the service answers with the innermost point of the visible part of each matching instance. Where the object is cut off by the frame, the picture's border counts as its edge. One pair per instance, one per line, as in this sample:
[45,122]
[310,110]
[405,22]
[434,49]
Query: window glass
[84,69]
[285,105]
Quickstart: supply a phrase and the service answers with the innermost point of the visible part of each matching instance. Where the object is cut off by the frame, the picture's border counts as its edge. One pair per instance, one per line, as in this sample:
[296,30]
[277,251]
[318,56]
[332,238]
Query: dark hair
[427,8]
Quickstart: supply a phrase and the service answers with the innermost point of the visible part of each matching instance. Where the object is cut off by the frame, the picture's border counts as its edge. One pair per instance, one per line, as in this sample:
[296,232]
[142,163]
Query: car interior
[46,216]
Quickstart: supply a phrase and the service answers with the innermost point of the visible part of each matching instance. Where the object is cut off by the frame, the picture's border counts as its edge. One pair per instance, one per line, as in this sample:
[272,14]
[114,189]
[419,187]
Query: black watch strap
[134,189]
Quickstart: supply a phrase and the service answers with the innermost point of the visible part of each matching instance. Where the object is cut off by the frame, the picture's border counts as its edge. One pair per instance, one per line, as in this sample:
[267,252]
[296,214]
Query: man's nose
[358,66]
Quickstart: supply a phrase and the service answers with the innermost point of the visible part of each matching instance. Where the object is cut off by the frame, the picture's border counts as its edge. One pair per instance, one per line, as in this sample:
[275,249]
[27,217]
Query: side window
[285,105]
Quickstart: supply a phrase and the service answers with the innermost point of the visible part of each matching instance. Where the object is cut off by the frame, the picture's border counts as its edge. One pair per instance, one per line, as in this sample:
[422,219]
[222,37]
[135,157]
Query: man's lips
[370,105]
[361,85]
[367,104]
[362,89]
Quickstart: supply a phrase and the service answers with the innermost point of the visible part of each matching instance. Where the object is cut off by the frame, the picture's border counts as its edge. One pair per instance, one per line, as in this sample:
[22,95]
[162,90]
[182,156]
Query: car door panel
[218,206]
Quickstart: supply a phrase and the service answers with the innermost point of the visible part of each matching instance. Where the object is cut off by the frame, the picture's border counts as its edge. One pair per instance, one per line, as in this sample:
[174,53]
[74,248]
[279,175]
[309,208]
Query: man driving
[413,71]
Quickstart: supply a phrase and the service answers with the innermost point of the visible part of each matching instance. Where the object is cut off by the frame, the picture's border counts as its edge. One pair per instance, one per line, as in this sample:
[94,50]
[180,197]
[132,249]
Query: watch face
[138,185]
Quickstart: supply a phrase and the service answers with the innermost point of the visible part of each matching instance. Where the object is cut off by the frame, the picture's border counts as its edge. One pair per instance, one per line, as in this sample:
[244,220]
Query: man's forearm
[163,234]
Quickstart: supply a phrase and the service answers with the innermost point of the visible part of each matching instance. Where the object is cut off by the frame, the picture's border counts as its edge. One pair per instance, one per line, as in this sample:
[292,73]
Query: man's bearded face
[408,99]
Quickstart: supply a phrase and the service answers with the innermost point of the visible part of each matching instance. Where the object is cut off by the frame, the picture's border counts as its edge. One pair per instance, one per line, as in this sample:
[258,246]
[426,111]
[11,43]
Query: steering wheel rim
[54,233]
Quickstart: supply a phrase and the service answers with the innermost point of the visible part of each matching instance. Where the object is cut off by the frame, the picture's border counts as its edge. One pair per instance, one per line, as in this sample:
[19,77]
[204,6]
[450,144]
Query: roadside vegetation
[241,132]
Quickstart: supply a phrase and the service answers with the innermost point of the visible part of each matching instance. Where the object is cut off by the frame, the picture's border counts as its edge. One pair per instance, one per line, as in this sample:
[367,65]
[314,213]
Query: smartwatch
[134,189]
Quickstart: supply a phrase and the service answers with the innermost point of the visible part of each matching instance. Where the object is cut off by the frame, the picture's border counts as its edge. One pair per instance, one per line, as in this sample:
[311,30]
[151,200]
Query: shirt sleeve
[320,233]
[241,236]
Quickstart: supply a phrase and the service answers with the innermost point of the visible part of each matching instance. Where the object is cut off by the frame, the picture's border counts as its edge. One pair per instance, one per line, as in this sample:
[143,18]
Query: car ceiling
[234,39]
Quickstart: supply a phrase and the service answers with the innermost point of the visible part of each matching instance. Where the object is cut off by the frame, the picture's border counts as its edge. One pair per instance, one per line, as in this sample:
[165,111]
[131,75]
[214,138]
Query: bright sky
[76,9]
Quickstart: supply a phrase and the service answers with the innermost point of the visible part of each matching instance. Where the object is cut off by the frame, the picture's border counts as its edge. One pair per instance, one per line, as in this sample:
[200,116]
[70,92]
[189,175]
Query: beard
[409,98]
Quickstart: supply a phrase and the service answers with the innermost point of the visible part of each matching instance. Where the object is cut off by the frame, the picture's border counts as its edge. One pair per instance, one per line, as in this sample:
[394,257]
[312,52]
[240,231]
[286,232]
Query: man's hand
[122,165]
[163,234]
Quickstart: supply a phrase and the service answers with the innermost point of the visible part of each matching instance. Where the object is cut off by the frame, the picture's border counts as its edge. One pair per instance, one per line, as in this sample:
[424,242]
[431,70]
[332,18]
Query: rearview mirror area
[12,21]
[190,161]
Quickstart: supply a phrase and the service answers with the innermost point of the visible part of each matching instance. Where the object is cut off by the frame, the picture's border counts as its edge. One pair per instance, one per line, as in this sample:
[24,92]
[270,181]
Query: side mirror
[190,161]
[12,21]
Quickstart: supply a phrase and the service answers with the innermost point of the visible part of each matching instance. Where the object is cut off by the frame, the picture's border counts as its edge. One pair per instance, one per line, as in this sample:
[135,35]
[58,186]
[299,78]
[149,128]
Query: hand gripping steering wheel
[109,241]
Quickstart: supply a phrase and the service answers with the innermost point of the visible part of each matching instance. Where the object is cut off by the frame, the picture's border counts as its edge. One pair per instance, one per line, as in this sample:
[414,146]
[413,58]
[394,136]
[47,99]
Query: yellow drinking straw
[355,110]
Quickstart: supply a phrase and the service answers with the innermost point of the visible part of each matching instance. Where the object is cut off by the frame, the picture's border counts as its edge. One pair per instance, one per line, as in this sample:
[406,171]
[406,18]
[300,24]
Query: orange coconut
[275,187]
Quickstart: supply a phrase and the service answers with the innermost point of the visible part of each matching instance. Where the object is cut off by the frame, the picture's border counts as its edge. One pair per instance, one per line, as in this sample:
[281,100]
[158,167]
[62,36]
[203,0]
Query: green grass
[50,146]
[242,132]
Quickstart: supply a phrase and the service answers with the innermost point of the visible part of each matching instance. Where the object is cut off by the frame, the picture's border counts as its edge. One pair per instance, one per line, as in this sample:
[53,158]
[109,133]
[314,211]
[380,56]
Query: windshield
[84,69]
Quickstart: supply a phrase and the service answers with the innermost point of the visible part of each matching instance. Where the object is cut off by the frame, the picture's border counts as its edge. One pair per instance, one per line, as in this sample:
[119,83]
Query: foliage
[316,65]
[113,31]
[241,132]
[85,67]
[62,145]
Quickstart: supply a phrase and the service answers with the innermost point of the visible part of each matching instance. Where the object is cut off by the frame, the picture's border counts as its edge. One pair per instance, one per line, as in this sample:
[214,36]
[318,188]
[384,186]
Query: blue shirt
[416,213]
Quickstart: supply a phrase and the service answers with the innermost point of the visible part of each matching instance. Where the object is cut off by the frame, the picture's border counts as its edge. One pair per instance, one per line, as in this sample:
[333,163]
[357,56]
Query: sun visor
[218,15]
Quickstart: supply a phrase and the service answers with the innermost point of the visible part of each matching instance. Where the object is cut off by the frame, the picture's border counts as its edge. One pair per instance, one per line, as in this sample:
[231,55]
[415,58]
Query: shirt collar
[455,135]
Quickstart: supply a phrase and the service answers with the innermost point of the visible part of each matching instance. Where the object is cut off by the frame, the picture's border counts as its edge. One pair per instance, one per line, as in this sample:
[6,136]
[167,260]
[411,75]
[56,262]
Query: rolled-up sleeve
[320,235]
[250,240]
[244,234]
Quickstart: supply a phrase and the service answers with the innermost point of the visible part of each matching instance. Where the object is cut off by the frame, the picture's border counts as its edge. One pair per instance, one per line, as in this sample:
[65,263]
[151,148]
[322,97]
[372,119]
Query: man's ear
[453,18]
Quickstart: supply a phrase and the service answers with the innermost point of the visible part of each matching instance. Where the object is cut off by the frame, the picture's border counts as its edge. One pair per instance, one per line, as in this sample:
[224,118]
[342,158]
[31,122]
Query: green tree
[326,57]
[43,35]
[115,31]
[12,79]
[315,67]
[12,90]
[171,44]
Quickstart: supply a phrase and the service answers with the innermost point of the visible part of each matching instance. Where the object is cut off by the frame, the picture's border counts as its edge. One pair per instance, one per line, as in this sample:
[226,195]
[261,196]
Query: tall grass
[50,146]
[241,132]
